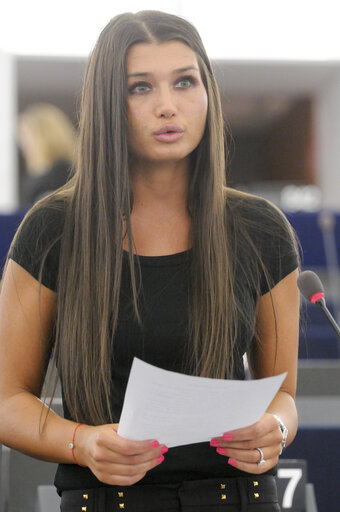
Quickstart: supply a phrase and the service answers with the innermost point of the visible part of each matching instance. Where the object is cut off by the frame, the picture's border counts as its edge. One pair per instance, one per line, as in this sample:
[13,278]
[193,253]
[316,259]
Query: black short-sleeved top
[162,339]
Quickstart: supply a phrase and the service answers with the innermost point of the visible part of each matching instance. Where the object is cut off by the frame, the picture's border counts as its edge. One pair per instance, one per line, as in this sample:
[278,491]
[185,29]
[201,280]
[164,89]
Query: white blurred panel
[327,128]
[65,27]
[267,29]
[8,167]
[232,29]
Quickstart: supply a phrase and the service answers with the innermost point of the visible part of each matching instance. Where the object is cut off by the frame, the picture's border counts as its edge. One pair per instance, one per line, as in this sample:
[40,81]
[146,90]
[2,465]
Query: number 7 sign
[291,485]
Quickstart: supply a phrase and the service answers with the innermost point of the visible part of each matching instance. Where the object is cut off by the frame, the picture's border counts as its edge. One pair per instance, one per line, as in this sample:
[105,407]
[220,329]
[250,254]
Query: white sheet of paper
[178,409]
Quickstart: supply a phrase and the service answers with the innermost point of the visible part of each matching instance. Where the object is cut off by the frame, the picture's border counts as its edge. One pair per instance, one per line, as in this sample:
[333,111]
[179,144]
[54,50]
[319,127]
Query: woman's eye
[140,88]
[185,82]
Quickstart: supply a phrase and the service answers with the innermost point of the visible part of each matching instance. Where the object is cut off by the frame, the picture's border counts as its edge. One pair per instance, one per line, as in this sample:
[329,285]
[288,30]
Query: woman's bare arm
[25,326]
[269,357]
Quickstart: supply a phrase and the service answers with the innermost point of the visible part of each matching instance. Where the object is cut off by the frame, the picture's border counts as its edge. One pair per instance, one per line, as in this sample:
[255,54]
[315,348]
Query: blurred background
[278,70]
[277,66]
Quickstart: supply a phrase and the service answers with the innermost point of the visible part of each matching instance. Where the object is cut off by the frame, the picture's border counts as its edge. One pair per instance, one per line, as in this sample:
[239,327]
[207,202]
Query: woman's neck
[162,190]
[159,220]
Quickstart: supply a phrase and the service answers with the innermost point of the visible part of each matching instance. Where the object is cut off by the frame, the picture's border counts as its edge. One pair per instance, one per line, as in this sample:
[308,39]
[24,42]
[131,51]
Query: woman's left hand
[243,446]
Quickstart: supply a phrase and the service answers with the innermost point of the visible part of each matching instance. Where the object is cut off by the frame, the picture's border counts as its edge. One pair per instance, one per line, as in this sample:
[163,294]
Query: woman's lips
[168,133]
[168,136]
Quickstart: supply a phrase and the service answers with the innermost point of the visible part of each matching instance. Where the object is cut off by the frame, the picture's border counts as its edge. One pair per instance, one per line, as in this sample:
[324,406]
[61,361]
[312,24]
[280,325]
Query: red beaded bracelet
[71,445]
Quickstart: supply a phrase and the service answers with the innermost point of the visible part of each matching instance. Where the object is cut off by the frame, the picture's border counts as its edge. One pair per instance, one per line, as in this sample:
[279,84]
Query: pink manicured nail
[215,442]
[155,444]
[164,449]
[227,437]
[160,459]
[221,451]
[232,462]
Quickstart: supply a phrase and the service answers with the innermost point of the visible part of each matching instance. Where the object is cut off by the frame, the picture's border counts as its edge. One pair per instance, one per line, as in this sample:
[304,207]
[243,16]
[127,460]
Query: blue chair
[8,226]
[317,337]
[317,340]
[320,446]
[306,225]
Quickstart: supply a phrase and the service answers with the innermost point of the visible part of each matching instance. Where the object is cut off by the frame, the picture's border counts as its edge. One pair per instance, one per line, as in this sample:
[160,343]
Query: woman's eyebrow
[175,72]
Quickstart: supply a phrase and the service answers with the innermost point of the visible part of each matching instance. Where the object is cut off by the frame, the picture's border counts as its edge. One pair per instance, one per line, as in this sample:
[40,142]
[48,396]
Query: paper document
[178,409]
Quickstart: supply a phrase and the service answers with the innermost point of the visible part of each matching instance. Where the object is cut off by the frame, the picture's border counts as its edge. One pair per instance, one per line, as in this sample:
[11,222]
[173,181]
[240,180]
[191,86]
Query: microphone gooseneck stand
[312,289]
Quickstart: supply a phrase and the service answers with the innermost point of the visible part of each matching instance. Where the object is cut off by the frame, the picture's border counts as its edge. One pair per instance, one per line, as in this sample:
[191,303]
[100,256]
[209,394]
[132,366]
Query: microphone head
[310,286]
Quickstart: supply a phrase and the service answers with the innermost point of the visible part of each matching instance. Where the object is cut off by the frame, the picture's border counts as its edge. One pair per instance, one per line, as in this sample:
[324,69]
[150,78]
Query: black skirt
[239,494]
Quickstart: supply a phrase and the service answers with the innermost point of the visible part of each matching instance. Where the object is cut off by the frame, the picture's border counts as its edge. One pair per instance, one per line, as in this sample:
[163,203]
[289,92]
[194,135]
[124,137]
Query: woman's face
[167,102]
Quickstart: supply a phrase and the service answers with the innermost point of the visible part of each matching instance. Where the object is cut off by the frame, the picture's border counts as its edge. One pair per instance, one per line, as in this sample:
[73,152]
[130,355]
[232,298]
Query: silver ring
[261,461]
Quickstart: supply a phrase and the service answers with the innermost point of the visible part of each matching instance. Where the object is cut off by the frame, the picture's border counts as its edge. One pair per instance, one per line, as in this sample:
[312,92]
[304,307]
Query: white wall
[241,29]
[327,126]
[8,160]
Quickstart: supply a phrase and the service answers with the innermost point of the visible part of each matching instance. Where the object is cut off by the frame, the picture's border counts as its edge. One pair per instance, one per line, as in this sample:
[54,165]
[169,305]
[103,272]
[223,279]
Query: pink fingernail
[215,442]
[227,437]
[160,459]
[232,462]
[155,444]
[164,449]
[221,451]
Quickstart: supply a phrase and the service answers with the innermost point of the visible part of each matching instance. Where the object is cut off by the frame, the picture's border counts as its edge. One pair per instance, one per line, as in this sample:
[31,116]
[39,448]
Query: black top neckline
[177,258]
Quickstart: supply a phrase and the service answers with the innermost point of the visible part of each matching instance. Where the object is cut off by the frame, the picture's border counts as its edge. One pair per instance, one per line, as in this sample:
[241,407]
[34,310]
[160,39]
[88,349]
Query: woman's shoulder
[36,244]
[45,219]
[245,204]
[263,234]
[257,214]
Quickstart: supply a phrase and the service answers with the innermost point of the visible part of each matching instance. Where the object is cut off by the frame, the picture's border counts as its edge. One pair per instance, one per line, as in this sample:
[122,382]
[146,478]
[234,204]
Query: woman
[146,253]
[47,140]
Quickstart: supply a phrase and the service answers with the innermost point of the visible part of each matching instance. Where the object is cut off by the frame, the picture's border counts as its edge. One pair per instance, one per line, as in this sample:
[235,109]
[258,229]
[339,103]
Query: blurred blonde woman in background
[47,139]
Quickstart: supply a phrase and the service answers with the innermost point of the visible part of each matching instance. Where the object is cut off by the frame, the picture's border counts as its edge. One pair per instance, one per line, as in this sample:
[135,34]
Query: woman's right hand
[113,459]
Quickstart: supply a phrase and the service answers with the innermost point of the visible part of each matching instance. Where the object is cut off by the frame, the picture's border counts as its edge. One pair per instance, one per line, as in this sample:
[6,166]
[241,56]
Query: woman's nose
[165,103]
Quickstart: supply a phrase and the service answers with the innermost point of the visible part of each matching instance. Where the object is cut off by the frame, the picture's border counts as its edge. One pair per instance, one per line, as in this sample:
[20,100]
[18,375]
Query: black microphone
[311,288]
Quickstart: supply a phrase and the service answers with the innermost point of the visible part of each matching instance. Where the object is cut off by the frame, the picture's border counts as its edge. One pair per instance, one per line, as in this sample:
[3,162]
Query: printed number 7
[294,474]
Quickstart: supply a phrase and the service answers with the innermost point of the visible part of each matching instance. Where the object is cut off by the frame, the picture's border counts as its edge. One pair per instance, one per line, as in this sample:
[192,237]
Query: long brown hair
[97,200]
